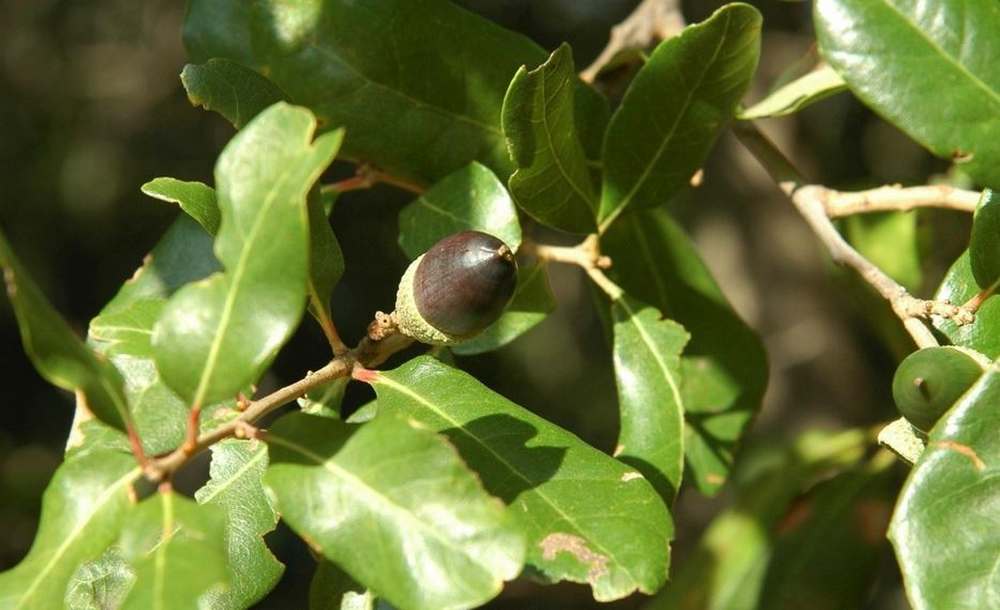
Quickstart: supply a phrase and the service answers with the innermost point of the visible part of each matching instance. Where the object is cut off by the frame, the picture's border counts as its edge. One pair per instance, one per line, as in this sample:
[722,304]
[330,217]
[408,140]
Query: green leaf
[984,247]
[959,286]
[899,56]
[234,91]
[418,84]
[178,552]
[57,353]
[728,568]
[944,527]
[792,97]
[183,255]
[428,535]
[830,543]
[675,108]
[591,114]
[124,328]
[588,517]
[195,198]
[82,511]
[332,589]
[552,181]
[647,352]
[724,366]
[100,584]
[236,487]
[532,302]
[470,198]
[212,338]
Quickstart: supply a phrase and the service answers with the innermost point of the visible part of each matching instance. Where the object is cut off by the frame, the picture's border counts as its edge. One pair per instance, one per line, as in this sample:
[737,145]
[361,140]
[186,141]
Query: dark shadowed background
[91,107]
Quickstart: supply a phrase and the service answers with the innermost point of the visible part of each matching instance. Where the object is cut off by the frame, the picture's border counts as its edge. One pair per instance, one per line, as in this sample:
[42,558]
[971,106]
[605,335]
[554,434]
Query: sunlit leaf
[124,328]
[430,536]
[195,198]
[214,337]
[55,350]
[234,91]
[960,286]
[236,488]
[588,517]
[792,97]
[901,56]
[552,182]
[724,366]
[984,247]
[177,549]
[675,108]
[647,352]
[944,528]
[82,510]
[471,198]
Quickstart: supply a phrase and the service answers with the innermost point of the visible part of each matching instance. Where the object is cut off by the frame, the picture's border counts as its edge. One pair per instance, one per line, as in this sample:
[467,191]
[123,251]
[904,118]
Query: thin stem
[899,199]
[651,21]
[329,328]
[368,353]
[366,177]
[811,202]
[586,255]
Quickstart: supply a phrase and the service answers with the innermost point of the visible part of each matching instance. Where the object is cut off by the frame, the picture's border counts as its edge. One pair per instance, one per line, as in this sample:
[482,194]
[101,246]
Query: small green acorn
[929,381]
[456,289]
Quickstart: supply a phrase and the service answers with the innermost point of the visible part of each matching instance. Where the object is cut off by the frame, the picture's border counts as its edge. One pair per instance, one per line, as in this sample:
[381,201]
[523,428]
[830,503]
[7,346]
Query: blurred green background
[91,107]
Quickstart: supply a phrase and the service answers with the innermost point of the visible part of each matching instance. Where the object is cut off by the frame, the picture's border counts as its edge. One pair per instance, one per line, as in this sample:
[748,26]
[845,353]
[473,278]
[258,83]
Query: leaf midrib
[235,284]
[103,499]
[587,198]
[667,374]
[407,515]
[260,454]
[534,489]
[670,135]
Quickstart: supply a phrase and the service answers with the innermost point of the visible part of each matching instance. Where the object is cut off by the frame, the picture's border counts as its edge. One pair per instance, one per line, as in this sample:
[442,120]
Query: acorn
[456,289]
[929,381]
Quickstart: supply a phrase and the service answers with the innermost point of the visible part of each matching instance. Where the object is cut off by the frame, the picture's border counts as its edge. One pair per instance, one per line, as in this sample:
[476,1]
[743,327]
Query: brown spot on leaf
[964,450]
[628,476]
[556,543]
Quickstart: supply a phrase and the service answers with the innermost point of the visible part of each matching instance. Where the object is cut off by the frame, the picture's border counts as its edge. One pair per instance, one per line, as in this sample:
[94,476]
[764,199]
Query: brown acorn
[456,289]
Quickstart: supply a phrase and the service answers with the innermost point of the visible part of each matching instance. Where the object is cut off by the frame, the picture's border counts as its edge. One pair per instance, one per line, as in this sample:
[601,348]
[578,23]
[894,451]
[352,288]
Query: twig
[368,353]
[586,255]
[651,21]
[899,199]
[366,177]
[810,201]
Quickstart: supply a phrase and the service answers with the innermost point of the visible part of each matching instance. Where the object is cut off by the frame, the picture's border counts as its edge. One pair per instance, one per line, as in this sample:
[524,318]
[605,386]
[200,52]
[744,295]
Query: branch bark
[650,22]
[369,353]
[812,203]
[898,199]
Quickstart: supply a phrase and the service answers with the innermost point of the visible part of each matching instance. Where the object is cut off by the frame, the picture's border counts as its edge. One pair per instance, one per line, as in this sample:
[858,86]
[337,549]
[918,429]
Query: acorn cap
[929,381]
[456,289]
